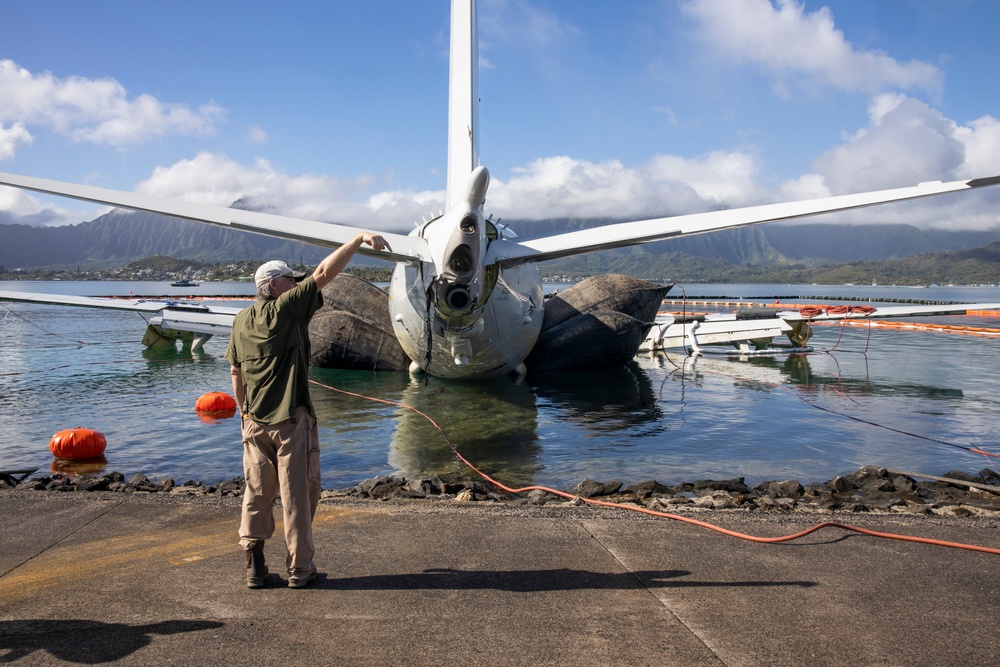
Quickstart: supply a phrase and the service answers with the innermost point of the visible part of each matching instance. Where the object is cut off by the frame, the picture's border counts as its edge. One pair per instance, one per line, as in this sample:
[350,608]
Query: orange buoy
[77,443]
[215,401]
[215,405]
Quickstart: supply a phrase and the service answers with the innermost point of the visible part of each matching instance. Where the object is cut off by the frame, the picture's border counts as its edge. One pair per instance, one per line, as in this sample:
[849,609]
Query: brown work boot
[301,581]
[256,569]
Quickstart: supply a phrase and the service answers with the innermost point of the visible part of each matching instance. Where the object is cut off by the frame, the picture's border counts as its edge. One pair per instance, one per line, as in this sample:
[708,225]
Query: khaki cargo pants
[283,458]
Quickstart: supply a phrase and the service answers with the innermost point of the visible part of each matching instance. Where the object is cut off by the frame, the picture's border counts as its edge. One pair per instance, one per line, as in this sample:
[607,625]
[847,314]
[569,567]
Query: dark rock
[829,502]
[644,490]
[380,487]
[884,503]
[959,475]
[58,483]
[433,486]
[986,501]
[841,484]
[866,475]
[537,497]
[730,485]
[589,488]
[988,476]
[167,484]
[904,484]
[815,490]
[785,489]
[724,501]
[879,485]
[88,483]
[233,487]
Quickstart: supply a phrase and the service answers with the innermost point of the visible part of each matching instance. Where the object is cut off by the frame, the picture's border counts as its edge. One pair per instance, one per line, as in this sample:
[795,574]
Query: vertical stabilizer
[463,99]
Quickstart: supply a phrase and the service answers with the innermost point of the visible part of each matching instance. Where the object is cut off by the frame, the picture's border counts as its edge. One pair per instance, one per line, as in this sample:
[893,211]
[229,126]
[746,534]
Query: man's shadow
[529,581]
[83,641]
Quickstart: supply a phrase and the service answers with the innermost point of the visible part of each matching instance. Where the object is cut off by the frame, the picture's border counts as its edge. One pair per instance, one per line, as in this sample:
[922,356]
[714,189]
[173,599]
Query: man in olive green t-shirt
[269,356]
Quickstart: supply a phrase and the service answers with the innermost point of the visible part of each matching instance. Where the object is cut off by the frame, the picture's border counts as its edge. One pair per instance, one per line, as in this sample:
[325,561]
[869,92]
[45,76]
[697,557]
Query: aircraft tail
[463,99]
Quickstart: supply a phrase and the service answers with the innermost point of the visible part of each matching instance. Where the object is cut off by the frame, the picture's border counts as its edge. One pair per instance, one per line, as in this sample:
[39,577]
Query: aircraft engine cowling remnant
[353,329]
[597,323]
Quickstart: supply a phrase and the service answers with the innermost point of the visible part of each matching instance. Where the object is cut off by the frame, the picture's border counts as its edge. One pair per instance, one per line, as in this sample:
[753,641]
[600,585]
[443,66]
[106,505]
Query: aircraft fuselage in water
[459,316]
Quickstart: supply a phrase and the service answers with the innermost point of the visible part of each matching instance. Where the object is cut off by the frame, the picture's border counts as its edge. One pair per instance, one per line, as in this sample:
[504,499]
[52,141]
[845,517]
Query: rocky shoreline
[870,489]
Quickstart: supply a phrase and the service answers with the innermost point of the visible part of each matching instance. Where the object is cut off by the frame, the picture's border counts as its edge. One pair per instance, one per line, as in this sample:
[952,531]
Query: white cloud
[95,110]
[806,46]
[904,143]
[20,207]
[219,180]
[563,187]
[981,139]
[554,187]
[12,138]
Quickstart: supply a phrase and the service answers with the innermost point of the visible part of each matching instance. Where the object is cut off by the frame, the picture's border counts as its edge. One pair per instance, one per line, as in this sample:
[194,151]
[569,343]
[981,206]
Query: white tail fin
[463,99]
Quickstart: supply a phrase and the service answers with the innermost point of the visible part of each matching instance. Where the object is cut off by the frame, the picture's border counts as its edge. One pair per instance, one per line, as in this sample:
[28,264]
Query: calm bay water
[668,418]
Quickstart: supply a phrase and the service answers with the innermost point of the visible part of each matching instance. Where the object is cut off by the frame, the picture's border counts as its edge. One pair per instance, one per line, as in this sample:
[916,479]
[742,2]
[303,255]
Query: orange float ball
[215,401]
[77,443]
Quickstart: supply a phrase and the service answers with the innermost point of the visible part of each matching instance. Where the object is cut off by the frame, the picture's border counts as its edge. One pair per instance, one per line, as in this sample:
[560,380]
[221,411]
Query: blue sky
[590,108]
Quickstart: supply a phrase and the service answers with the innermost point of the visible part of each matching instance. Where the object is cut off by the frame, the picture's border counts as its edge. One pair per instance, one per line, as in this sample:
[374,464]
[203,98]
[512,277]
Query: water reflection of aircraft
[496,424]
[794,371]
[466,297]
[605,400]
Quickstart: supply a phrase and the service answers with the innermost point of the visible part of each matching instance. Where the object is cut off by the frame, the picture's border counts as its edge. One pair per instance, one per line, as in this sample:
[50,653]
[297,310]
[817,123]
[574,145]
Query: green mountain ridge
[765,253]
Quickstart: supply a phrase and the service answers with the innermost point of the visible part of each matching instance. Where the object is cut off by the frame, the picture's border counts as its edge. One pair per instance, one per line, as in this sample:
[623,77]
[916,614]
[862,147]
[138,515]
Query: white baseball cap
[273,269]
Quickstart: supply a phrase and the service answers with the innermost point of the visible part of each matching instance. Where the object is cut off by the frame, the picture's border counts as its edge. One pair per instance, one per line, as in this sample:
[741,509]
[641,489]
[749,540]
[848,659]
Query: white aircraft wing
[176,315]
[404,248]
[656,229]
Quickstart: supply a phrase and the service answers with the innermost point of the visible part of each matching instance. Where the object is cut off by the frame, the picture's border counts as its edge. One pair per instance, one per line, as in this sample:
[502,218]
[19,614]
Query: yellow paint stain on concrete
[176,545]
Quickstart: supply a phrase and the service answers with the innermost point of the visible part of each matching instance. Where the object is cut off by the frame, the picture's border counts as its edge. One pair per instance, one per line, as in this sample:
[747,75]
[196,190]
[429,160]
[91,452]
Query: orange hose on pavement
[667,515]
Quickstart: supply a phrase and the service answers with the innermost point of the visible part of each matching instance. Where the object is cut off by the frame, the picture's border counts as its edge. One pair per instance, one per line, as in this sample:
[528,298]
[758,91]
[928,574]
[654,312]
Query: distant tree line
[980,266]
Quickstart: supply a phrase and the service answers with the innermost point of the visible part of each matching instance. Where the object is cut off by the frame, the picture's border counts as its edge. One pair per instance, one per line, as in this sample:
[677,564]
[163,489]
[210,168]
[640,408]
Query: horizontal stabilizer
[404,248]
[657,229]
[177,315]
